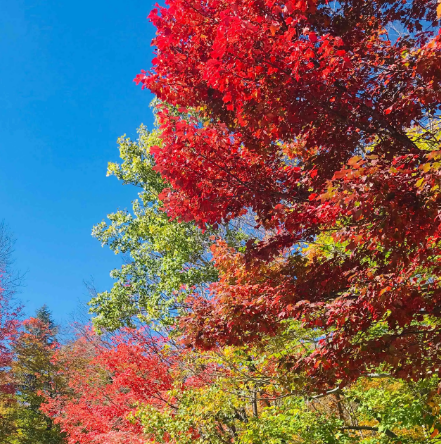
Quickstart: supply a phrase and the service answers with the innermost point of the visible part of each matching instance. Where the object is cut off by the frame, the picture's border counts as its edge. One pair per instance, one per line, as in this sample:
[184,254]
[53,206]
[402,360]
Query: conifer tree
[35,375]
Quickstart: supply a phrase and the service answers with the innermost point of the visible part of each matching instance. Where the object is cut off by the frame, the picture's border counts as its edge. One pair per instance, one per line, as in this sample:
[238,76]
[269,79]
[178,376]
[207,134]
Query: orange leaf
[354,160]
[384,290]
[339,174]
[273,29]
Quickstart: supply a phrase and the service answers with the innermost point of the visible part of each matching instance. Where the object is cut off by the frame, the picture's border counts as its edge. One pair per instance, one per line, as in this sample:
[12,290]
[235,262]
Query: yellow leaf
[425,167]
[420,182]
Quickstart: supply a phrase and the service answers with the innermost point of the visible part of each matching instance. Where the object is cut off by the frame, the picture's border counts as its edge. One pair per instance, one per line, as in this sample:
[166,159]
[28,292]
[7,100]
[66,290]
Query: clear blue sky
[66,94]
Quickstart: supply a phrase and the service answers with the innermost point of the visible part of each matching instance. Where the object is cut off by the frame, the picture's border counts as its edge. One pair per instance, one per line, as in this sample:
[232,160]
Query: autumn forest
[282,281]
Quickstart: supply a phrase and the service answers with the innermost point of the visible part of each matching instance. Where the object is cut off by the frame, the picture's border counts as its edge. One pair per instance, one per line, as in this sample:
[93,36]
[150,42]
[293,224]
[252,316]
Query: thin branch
[387,432]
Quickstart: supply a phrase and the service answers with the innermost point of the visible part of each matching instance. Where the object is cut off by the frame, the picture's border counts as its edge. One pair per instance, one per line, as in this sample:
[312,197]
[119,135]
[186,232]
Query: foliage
[9,312]
[253,403]
[106,380]
[318,118]
[8,330]
[9,325]
[167,258]
[137,388]
[34,374]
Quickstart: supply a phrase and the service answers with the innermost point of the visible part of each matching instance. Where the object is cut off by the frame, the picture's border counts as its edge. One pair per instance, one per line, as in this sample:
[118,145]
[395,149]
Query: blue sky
[66,95]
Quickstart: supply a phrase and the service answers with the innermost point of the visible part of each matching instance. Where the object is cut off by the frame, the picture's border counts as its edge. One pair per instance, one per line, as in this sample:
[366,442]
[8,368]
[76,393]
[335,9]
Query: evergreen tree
[35,374]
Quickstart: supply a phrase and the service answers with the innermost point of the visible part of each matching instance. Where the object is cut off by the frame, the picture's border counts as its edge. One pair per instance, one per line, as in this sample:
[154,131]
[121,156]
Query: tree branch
[373,429]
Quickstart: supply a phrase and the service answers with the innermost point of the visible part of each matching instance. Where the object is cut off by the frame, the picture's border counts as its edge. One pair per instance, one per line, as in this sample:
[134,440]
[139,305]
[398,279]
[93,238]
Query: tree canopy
[320,119]
[281,276]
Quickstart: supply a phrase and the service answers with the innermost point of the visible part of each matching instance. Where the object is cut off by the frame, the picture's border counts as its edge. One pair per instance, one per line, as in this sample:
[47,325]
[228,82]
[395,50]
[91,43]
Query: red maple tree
[107,380]
[299,113]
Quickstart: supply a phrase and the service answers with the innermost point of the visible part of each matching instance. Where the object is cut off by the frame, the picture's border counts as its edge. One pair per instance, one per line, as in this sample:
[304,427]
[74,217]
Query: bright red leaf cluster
[108,380]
